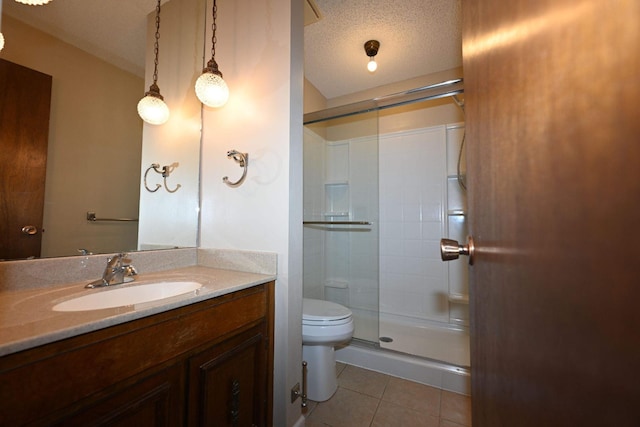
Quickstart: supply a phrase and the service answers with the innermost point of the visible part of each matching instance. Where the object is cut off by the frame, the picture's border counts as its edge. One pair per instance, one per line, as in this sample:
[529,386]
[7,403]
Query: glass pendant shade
[34,2]
[211,89]
[152,108]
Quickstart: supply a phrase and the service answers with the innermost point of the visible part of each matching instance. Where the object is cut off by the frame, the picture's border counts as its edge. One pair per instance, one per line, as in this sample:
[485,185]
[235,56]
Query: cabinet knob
[451,249]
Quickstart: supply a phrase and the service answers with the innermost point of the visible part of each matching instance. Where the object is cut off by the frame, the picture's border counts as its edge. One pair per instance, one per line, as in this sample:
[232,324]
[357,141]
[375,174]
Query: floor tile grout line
[379,400]
[375,412]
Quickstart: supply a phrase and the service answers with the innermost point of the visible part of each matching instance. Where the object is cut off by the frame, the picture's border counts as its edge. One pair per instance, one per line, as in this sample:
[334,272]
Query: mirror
[100,57]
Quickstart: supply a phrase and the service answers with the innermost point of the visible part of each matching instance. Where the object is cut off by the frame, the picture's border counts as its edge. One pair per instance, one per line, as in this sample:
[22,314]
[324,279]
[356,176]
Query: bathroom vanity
[203,359]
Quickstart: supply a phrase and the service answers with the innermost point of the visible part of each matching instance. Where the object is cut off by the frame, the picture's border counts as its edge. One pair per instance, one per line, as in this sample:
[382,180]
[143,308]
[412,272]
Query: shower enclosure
[382,185]
[341,217]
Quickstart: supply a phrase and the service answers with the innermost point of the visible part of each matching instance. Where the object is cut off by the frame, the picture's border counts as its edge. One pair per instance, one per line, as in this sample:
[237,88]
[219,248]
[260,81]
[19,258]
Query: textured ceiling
[417,37]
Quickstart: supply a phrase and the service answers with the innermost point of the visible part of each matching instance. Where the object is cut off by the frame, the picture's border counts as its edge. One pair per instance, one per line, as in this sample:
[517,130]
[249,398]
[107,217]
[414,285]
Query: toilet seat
[324,313]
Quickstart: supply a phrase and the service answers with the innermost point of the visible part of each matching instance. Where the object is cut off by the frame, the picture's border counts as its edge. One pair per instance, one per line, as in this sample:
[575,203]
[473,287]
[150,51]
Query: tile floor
[368,398]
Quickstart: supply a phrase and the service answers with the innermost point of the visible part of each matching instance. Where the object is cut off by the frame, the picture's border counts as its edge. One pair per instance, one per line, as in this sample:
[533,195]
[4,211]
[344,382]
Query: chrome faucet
[114,273]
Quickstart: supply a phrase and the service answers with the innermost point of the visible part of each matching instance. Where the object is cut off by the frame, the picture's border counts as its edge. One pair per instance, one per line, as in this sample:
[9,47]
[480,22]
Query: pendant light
[1,36]
[211,89]
[152,108]
[34,2]
[371,49]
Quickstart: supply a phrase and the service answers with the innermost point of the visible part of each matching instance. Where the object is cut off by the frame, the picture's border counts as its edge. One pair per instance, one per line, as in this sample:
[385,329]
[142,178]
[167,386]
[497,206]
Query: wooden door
[25,97]
[552,96]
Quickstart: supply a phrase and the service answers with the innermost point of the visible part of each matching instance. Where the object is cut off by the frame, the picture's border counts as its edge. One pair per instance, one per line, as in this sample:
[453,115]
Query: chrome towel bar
[91,216]
[336,223]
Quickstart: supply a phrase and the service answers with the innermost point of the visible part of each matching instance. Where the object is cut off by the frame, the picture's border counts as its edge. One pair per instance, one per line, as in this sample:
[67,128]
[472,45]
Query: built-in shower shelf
[459,322]
[337,182]
[332,214]
[456,212]
[336,283]
[459,298]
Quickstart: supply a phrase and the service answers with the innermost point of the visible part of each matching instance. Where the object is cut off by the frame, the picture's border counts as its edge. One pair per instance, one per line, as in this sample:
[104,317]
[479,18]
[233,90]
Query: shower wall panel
[457,226]
[413,196]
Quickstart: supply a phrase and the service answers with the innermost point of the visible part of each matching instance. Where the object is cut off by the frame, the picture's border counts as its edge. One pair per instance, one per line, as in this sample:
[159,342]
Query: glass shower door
[341,217]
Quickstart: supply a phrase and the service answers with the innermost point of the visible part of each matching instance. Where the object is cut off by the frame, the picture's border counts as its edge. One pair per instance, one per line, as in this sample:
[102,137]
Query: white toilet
[324,325]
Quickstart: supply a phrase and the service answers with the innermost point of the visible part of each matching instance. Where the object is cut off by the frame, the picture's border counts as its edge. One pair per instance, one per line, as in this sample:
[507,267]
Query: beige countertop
[27,319]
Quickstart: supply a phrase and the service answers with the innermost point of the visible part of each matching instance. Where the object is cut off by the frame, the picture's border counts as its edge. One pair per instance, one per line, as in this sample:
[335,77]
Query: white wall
[259,51]
[171,219]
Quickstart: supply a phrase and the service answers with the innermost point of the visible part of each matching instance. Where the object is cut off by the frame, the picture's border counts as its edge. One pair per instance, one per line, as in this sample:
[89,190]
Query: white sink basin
[119,297]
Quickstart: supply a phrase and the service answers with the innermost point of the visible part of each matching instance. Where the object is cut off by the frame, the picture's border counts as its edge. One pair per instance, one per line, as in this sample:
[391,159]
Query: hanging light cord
[212,65]
[156,48]
[214,27]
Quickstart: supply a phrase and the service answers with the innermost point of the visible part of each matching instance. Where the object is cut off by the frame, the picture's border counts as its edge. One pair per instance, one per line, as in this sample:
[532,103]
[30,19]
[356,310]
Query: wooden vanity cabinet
[206,364]
[226,383]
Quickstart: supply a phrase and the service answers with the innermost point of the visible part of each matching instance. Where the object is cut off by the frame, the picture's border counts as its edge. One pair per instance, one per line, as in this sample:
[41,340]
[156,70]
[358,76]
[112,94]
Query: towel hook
[155,167]
[243,161]
[165,172]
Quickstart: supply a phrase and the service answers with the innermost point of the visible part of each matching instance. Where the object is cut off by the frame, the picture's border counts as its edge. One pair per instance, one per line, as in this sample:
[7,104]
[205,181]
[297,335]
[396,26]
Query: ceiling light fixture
[371,48]
[33,2]
[152,108]
[211,89]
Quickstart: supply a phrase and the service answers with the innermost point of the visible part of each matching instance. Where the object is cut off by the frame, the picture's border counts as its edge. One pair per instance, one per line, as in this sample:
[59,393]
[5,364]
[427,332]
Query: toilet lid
[319,310]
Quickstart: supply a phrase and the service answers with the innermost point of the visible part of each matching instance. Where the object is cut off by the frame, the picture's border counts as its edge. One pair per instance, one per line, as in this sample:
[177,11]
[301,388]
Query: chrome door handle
[30,230]
[451,249]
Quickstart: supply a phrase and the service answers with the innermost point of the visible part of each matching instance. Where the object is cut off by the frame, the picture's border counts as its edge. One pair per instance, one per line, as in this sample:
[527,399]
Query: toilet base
[321,371]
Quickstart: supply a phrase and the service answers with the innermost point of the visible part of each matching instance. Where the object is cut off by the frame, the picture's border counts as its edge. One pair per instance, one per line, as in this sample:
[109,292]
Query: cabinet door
[228,382]
[153,401]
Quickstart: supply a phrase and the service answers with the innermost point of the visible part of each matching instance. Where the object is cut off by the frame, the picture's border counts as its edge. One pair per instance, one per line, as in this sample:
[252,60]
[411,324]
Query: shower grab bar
[336,222]
[91,216]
